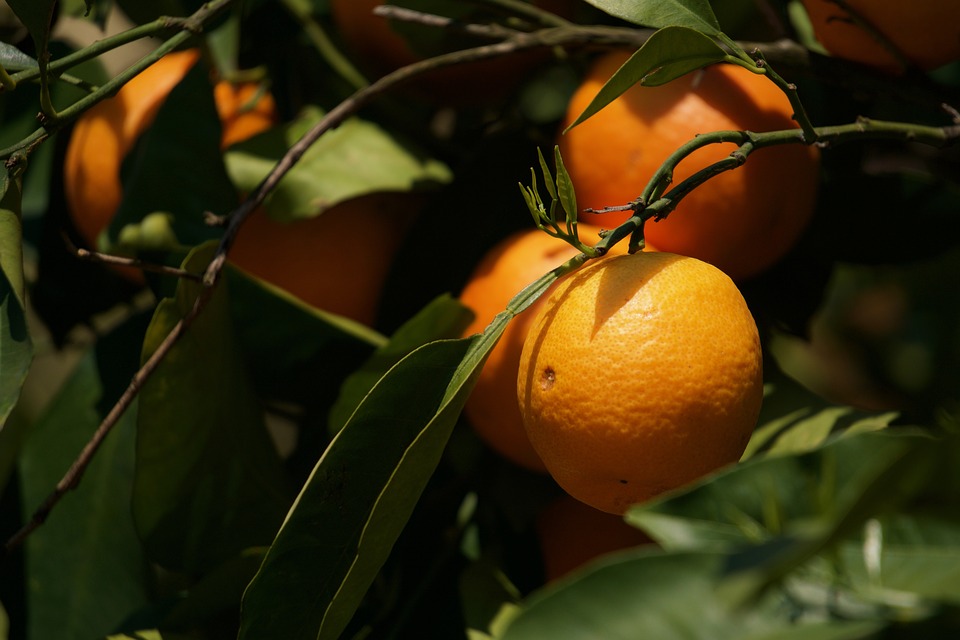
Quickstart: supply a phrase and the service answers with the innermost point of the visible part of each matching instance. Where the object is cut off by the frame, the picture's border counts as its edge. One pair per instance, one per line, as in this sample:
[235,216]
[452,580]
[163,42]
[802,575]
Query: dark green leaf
[443,318]
[565,191]
[361,494]
[356,158]
[695,14]
[162,173]
[675,596]
[86,569]
[670,53]
[293,351]
[36,16]
[209,482]
[16,348]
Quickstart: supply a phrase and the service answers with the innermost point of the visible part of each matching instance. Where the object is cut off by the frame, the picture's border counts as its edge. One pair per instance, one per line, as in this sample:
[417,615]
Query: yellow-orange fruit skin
[503,272]
[925,32]
[640,374]
[743,220]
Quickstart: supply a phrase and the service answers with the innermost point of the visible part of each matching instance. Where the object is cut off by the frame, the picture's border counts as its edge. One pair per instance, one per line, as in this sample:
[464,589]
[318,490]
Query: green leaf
[12,59]
[16,347]
[294,351]
[161,173]
[694,14]
[356,158]
[443,318]
[87,571]
[565,191]
[670,53]
[672,596]
[209,482]
[36,16]
[361,494]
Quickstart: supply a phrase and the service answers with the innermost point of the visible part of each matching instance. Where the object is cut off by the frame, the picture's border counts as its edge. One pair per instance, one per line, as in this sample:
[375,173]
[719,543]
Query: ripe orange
[105,134]
[641,373]
[925,32]
[741,221]
[383,50]
[337,261]
[507,268]
[572,534]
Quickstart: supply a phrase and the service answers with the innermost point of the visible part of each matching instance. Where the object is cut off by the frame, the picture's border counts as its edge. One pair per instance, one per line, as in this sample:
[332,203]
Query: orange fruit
[337,261]
[377,44]
[925,32]
[743,220]
[508,267]
[572,534]
[106,133]
[640,374]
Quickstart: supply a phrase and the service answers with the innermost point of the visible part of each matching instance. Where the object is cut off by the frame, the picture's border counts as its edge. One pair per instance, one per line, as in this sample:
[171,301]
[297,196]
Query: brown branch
[134,263]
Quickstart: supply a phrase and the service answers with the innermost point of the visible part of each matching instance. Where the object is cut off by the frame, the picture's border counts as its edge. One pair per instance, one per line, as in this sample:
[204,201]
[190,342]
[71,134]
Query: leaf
[356,158]
[668,596]
[294,352]
[209,483]
[361,494]
[161,173]
[36,16]
[12,59]
[668,54]
[443,318]
[693,14]
[763,498]
[565,190]
[87,571]
[16,347]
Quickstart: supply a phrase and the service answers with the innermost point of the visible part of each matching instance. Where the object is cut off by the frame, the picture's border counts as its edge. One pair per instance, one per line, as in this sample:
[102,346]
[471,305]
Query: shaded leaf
[36,16]
[443,318]
[356,158]
[644,594]
[670,53]
[209,482]
[292,350]
[362,492]
[160,174]
[694,14]
[87,572]
[16,347]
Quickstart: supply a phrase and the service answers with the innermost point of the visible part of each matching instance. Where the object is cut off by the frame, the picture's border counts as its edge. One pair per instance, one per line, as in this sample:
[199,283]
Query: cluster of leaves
[383,514]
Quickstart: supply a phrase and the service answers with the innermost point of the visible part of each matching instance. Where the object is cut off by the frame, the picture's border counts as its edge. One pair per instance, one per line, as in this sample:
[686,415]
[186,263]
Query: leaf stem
[301,10]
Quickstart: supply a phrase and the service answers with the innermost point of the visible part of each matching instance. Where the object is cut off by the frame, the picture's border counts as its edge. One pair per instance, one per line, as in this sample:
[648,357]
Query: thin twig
[134,263]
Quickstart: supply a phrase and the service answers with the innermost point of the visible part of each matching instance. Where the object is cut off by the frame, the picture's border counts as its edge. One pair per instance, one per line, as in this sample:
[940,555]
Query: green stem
[790,90]
[8,83]
[96,49]
[322,43]
[188,27]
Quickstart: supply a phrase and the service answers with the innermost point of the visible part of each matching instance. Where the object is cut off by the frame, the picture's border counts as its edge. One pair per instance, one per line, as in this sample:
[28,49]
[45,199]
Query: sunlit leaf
[209,482]
[13,59]
[356,158]
[669,54]
[694,14]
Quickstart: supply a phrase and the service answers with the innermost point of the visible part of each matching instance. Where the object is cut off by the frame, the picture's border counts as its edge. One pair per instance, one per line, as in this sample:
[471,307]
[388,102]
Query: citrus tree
[283,354]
